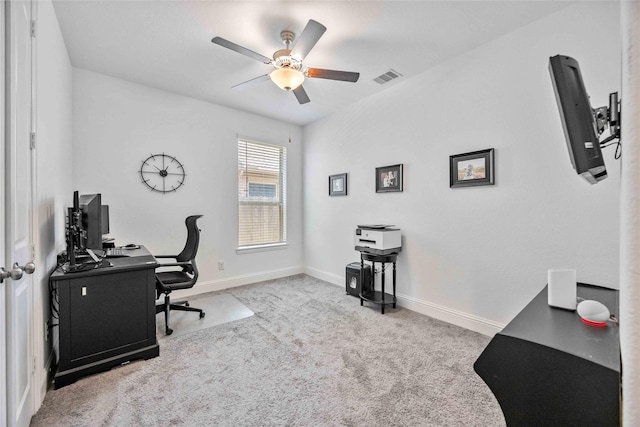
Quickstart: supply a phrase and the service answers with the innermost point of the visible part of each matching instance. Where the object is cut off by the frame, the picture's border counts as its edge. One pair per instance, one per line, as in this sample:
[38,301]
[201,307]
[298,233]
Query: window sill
[261,248]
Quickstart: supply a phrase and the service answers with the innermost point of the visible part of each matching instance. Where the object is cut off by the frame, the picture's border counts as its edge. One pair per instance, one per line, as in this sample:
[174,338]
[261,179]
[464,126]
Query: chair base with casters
[178,306]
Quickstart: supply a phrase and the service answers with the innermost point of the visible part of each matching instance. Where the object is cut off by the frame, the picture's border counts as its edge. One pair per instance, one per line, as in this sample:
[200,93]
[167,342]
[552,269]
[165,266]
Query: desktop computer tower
[354,283]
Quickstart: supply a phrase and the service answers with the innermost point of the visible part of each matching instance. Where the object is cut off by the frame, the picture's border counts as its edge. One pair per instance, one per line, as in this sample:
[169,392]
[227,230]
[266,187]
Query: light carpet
[310,356]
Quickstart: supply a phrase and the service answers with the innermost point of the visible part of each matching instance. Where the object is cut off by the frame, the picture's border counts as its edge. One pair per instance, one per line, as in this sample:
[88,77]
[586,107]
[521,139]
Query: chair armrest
[166,256]
[174,264]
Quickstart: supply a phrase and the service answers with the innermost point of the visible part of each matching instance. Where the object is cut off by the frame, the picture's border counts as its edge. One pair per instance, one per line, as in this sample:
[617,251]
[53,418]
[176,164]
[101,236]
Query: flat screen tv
[578,118]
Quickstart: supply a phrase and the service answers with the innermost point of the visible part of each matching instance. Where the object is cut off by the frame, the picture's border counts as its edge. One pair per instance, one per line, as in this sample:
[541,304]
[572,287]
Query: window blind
[262,194]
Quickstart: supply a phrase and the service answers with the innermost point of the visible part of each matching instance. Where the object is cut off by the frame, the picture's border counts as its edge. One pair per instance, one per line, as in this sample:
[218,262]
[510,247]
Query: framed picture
[338,184]
[469,169]
[389,178]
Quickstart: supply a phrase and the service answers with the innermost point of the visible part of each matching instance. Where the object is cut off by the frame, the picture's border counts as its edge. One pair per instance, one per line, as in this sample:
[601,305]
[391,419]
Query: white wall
[630,215]
[118,124]
[474,256]
[54,132]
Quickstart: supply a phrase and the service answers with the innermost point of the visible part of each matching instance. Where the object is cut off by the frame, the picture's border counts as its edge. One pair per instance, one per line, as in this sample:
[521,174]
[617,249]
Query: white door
[3,336]
[17,230]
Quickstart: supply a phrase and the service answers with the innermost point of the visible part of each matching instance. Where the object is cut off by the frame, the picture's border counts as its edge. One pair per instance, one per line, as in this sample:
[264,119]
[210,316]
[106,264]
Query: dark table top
[563,330]
[138,259]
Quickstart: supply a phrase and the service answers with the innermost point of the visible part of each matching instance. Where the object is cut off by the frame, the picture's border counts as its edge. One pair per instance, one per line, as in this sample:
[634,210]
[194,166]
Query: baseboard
[449,315]
[232,282]
[440,312]
[45,381]
[323,275]
[46,375]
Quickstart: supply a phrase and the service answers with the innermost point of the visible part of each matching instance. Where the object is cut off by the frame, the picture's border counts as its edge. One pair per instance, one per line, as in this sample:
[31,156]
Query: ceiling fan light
[287,78]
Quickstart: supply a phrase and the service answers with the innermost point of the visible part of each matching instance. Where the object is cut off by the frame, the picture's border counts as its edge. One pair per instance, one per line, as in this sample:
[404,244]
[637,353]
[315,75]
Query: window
[262,194]
[262,190]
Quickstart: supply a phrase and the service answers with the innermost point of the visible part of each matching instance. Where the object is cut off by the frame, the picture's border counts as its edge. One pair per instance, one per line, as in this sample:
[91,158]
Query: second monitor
[91,207]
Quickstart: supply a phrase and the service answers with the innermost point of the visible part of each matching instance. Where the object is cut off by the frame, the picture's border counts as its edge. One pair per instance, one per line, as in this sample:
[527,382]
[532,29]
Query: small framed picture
[389,178]
[470,169]
[338,184]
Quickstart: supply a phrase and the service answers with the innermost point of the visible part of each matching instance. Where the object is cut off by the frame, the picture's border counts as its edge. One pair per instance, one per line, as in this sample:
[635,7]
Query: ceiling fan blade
[308,39]
[252,82]
[345,76]
[301,95]
[243,50]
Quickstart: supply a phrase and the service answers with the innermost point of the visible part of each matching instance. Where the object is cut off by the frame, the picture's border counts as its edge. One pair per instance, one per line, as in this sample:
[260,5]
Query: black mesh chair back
[193,239]
[181,274]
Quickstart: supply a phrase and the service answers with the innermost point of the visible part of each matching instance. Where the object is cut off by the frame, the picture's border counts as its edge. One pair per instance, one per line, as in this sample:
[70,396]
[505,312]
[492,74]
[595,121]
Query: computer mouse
[132,246]
[593,312]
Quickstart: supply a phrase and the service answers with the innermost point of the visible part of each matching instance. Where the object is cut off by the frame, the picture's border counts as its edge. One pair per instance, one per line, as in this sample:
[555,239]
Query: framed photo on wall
[389,178]
[338,184]
[471,169]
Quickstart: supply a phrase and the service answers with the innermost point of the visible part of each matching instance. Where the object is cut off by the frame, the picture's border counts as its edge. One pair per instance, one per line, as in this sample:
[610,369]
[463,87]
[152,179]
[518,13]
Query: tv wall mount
[609,117]
[162,173]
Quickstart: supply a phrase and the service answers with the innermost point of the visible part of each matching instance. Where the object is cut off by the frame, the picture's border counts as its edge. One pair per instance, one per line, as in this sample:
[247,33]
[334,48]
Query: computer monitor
[91,207]
[74,231]
[105,219]
[581,129]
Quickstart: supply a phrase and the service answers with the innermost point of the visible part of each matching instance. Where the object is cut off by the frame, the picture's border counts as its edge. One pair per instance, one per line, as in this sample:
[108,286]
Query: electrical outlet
[220,265]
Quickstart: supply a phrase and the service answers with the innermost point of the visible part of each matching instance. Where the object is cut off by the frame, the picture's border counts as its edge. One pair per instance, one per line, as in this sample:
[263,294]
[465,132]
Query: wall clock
[162,173]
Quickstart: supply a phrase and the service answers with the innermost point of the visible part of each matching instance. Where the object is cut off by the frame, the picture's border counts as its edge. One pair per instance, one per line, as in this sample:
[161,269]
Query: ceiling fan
[288,71]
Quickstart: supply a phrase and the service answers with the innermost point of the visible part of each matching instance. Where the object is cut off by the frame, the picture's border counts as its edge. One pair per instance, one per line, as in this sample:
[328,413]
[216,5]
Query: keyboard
[116,252]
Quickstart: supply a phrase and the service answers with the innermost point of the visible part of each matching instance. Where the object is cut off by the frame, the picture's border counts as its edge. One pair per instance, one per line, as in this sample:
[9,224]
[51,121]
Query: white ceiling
[167,44]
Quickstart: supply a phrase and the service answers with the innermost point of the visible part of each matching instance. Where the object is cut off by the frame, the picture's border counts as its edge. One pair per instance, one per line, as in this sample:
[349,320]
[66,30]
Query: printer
[377,237]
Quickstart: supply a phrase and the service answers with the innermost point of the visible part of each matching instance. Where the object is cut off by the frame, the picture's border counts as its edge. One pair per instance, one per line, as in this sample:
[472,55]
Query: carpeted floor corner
[309,356]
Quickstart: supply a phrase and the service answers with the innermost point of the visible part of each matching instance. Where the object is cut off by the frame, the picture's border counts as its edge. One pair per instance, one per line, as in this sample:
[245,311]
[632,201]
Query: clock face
[162,173]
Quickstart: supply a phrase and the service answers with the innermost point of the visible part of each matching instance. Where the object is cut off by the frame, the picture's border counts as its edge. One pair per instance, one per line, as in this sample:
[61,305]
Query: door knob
[28,268]
[15,273]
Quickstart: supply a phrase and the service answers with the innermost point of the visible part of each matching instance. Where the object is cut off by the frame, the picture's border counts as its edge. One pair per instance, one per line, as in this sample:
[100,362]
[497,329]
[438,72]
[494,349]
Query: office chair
[184,276]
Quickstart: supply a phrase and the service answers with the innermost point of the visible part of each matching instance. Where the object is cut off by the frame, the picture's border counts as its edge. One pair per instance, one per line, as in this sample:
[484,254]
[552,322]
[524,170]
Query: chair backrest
[193,240]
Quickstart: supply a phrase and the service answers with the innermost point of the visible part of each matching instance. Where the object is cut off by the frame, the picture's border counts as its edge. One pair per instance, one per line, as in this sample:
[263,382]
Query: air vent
[387,77]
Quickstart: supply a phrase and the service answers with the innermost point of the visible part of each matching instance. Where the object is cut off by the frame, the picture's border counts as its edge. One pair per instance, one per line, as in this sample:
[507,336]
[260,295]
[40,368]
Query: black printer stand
[384,257]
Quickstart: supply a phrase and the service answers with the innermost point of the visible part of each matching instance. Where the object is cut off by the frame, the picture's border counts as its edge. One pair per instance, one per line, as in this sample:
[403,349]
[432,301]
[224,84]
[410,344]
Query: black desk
[383,257]
[107,316]
[548,368]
